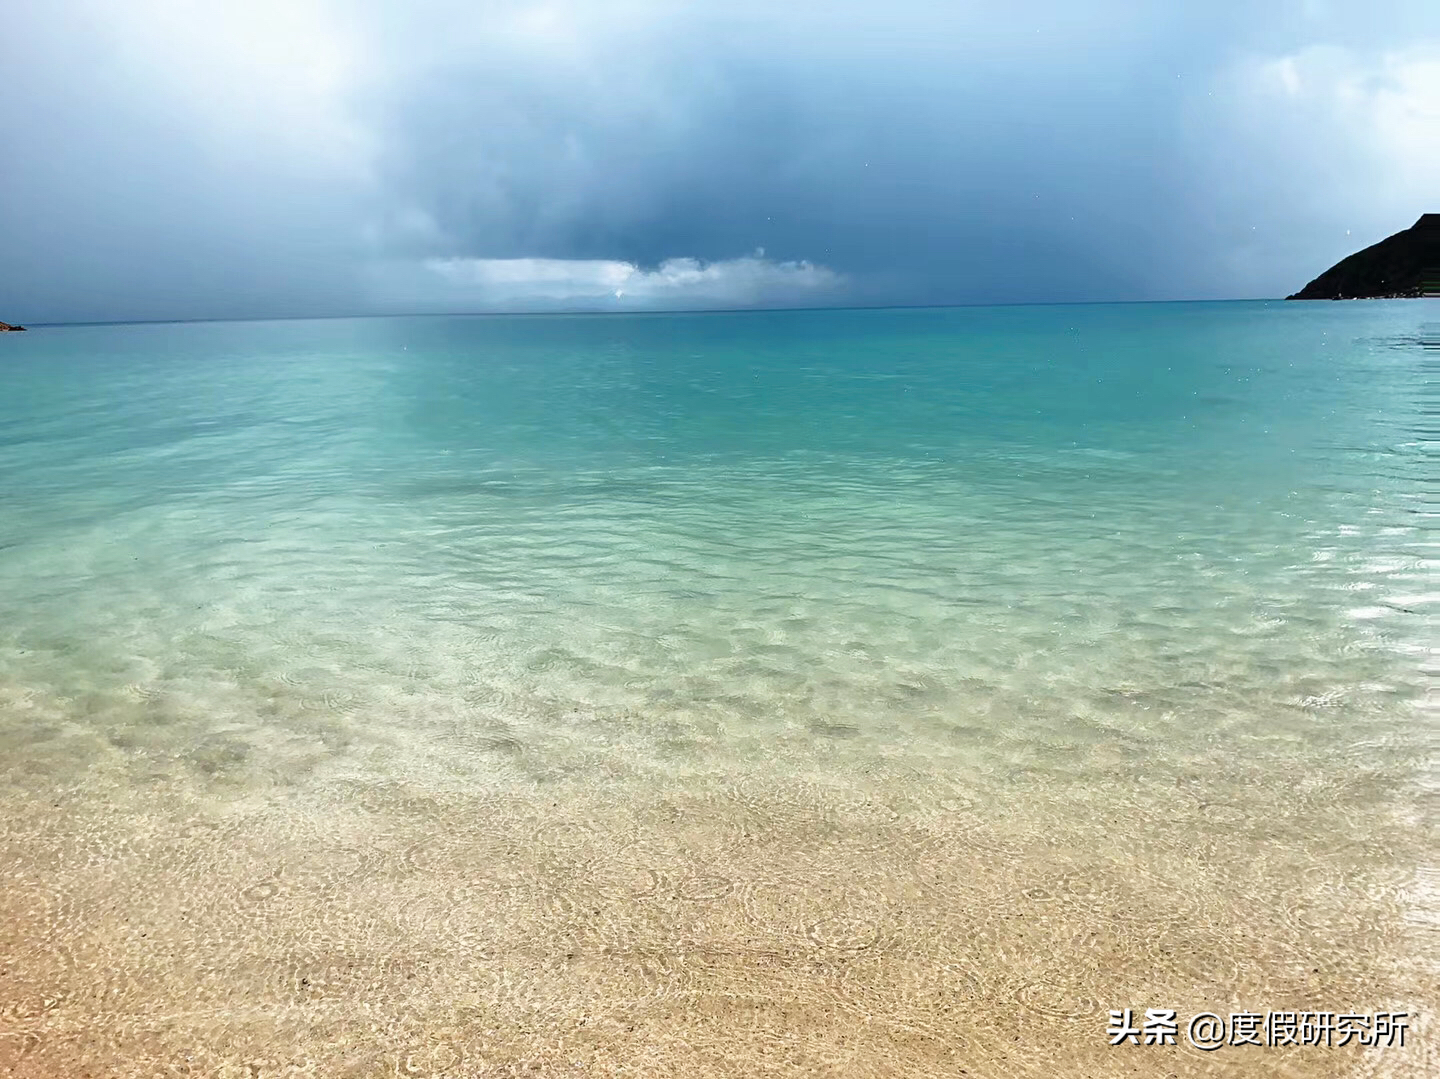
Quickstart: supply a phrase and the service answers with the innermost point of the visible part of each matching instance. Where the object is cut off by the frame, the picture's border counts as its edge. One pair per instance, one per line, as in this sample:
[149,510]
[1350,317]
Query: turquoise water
[1032,576]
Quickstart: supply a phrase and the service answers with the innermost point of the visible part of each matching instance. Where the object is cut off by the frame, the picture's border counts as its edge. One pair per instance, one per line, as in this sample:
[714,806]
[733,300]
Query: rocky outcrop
[5,327]
[1406,264]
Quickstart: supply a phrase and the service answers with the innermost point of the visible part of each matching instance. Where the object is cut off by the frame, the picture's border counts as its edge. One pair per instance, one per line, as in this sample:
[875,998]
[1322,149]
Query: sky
[271,158]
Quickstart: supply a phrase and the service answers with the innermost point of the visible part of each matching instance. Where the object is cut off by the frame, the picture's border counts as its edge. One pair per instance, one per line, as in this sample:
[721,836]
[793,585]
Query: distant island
[1406,264]
[5,327]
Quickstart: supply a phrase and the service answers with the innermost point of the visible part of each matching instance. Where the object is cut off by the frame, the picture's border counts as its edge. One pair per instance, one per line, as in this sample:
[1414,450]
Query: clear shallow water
[721,681]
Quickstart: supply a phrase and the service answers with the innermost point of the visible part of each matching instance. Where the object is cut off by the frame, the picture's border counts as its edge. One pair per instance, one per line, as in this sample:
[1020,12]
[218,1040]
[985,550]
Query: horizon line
[584,312]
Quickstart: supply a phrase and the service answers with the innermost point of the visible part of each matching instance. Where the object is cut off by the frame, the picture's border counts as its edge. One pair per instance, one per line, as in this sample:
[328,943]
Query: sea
[903,692]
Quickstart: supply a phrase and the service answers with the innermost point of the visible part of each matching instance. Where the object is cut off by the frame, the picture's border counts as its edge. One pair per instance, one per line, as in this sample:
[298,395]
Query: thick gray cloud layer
[167,158]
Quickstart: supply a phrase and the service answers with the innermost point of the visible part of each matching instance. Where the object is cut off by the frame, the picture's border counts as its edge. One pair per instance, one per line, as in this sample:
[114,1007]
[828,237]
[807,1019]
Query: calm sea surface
[801,693]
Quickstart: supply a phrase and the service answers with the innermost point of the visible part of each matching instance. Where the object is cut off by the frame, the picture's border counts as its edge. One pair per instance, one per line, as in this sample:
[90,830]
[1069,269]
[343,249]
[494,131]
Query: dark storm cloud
[268,158]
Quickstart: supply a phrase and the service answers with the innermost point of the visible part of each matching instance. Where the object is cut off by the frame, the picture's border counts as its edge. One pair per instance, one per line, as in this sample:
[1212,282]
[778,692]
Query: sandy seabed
[169,921]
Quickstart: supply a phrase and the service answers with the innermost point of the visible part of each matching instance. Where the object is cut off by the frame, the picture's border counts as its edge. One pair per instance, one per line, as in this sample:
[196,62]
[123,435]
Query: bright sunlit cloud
[604,284]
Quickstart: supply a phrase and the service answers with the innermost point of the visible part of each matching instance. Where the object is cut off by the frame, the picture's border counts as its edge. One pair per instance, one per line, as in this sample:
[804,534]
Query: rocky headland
[1406,264]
